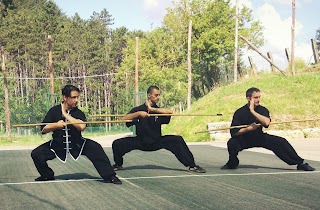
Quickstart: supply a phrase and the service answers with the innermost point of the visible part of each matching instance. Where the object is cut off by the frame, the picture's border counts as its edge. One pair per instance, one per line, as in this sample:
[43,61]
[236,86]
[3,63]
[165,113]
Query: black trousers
[278,145]
[92,150]
[174,144]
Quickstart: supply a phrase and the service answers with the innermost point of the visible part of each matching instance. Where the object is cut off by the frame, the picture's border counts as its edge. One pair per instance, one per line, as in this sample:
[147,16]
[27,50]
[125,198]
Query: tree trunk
[85,86]
[105,101]
[51,71]
[6,96]
[99,101]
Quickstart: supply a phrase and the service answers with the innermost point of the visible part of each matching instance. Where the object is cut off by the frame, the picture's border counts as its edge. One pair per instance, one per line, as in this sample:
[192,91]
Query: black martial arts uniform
[257,138]
[69,140]
[149,138]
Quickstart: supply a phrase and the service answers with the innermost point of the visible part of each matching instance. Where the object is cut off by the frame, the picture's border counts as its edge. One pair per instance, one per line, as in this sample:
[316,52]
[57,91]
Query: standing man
[256,116]
[148,134]
[67,138]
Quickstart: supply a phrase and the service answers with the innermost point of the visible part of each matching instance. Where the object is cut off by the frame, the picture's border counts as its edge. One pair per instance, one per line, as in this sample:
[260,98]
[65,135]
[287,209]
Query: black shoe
[43,179]
[114,180]
[116,167]
[305,167]
[197,169]
[227,167]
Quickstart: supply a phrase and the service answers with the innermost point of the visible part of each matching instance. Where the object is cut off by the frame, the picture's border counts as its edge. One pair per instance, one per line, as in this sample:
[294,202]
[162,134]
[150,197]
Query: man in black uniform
[67,138]
[148,134]
[255,116]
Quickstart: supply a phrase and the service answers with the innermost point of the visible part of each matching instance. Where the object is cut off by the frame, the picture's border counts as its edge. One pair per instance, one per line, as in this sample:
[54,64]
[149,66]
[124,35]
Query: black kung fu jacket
[68,139]
[243,116]
[148,129]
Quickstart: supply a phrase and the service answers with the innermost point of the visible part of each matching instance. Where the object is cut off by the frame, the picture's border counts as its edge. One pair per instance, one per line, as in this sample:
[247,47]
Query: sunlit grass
[37,139]
[287,98]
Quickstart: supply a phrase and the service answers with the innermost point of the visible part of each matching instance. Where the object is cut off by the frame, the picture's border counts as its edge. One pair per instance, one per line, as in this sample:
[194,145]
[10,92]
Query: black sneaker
[225,167]
[197,169]
[116,167]
[43,179]
[114,180]
[305,167]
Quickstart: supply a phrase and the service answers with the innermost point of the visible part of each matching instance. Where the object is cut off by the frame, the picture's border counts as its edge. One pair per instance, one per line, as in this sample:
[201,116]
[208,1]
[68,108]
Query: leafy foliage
[101,60]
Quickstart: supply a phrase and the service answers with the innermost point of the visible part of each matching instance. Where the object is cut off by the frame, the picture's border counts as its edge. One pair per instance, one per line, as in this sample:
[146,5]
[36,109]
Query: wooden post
[292,35]
[189,66]
[105,86]
[270,57]
[137,72]
[315,51]
[51,71]
[235,65]
[287,54]
[253,68]
[6,95]
[260,53]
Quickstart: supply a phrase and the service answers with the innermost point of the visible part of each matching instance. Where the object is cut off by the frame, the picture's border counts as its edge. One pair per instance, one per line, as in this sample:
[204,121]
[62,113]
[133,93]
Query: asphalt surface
[157,180]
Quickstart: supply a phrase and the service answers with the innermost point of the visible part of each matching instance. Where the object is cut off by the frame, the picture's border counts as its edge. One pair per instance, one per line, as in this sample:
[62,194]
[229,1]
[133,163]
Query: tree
[163,51]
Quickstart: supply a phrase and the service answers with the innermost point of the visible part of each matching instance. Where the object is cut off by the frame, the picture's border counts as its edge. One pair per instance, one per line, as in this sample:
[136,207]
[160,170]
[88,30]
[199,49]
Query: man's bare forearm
[161,110]
[71,119]
[265,121]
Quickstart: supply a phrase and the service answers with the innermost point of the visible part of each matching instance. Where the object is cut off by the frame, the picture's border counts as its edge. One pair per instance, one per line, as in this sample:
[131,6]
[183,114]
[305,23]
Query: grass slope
[287,98]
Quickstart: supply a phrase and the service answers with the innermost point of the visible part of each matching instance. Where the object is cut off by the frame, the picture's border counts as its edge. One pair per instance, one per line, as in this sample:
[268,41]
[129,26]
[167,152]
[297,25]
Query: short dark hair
[251,90]
[151,88]
[66,91]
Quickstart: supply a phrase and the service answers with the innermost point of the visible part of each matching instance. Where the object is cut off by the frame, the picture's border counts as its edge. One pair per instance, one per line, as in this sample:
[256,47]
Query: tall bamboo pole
[235,66]
[260,53]
[72,123]
[315,51]
[137,72]
[151,115]
[189,66]
[244,126]
[6,95]
[293,35]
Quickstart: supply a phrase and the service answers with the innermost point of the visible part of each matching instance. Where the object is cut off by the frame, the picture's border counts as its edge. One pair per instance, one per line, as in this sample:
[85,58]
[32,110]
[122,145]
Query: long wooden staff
[70,123]
[244,126]
[151,115]
[111,121]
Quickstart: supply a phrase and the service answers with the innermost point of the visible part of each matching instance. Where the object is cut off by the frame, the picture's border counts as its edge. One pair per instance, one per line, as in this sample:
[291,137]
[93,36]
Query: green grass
[37,139]
[287,98]
[23,140]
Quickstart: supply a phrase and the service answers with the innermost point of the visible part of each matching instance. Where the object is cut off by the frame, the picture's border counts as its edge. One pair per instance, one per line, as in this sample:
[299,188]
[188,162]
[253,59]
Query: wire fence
[97,130]
[27,106]
[303,55]
[31,114]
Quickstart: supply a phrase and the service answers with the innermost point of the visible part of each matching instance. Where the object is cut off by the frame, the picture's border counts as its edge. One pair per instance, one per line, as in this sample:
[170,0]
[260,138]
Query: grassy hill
[287,98]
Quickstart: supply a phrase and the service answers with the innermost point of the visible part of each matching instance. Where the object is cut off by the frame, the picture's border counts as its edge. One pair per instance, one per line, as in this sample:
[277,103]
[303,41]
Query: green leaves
[85,48]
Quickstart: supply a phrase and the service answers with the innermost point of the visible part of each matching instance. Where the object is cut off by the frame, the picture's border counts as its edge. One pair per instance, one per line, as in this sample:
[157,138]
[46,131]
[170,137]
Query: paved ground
[157,180]
[307,148]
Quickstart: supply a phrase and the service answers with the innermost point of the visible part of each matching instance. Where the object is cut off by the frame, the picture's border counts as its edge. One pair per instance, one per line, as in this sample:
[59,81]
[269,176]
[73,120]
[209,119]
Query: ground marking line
[217,175]
[159,177]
